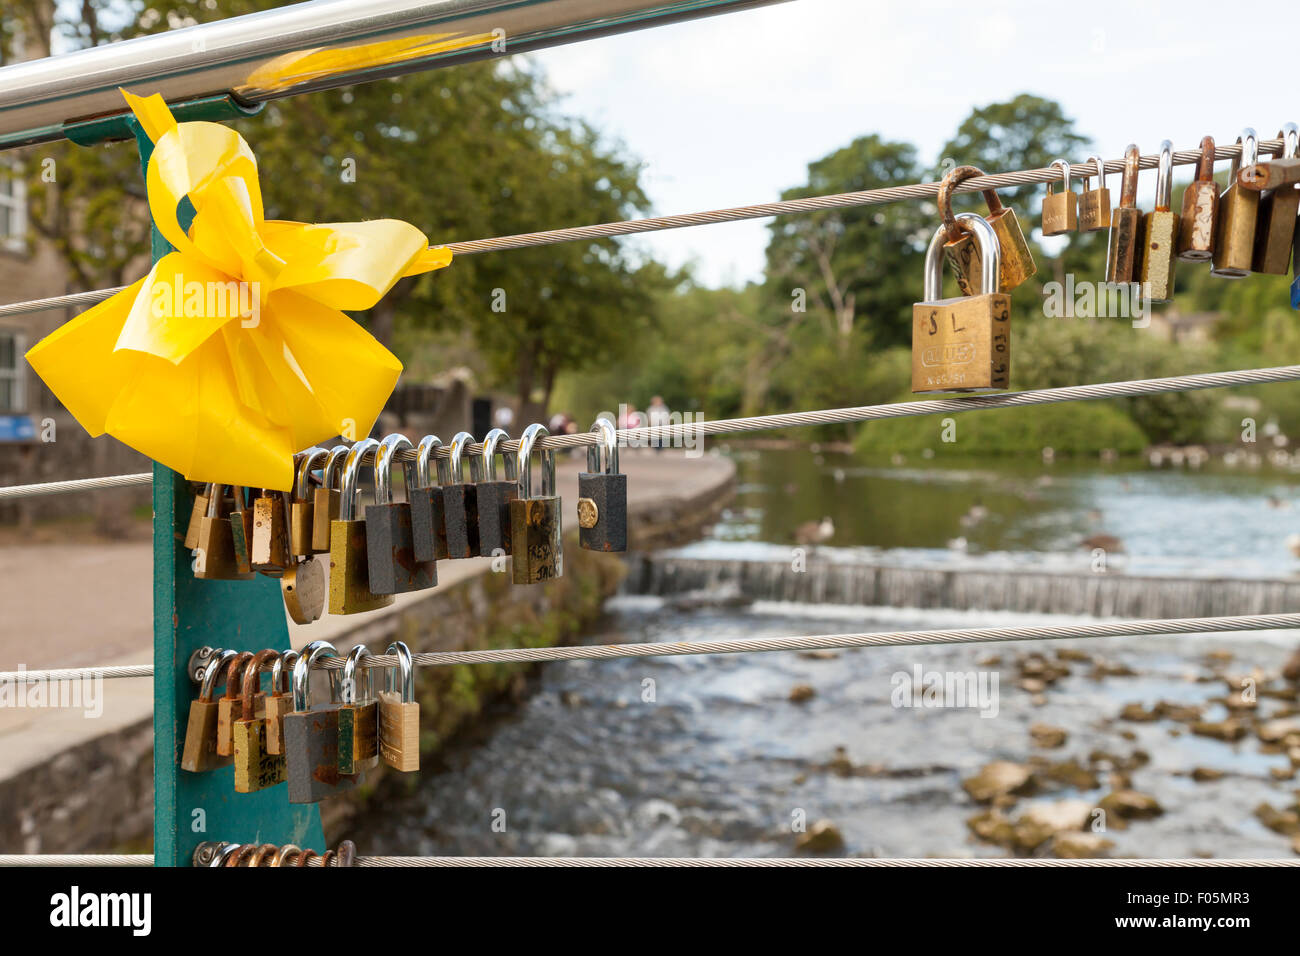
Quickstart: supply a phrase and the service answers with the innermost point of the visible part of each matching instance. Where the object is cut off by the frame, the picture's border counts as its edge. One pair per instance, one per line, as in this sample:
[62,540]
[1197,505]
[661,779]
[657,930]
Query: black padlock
[602,495]
[494,497]
[428,525]
[460,503]
[390,550]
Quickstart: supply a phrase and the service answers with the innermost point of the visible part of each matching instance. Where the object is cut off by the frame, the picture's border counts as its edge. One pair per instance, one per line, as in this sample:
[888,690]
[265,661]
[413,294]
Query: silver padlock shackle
[407,668]
[214,503]
[352,478]
[1249,152]
[490,442]
[286,659]
[1101,173]
[333,463]
[423,451]
[214,667]
[1289,134]
[609,439]
[1065,174]
[306,461]
[388,449]
[525,466]
[458,443]
[307,658]
[990,256]
[348,694]
[1165,175]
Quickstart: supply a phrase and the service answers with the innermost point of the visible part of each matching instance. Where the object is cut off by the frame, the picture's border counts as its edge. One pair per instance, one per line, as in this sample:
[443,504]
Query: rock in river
[996,779]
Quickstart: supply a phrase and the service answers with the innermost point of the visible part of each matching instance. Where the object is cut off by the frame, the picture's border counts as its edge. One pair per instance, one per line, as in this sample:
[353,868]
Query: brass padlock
[1123,256]
[1197,224]
[302,586]
[349,566]
[535,523]
[325,499]
[1234,241]
[241,530]
[358,717]
[311,735]
[964,252]
[1094,204]
[1275,230]
[301,507]
[1060,210]
[199,752]
[256,768]
[399,714]
[230,705]
[197,511]
[962,344]
[428,524]
[279,701]
[214,554]
[494,497]
[1160,234]
[270,554]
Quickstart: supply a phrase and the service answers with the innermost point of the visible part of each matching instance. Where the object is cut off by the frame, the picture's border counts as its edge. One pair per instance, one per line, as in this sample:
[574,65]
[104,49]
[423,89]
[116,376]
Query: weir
[1097,595]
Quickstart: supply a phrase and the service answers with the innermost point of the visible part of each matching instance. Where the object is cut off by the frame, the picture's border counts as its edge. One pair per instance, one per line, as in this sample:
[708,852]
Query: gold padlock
[214,554]
[270,553]
[963,251]
[279,701]
[349,566]
[1197,224]
[301,507]
[256,768]
[1094,204]
[1122,260]
[325,499]
[1160,234]
[1234,242]
[962,344]
[241,530]
[199,752]
[197,511]
[1060,210]
[1275,229]
[399,714]
[230,705]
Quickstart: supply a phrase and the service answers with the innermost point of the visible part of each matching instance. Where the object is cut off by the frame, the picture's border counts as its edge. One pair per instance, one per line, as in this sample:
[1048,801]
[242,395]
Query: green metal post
[188,613]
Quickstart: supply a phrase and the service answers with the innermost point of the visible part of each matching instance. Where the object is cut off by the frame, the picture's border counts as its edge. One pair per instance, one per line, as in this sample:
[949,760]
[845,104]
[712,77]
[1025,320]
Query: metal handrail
[307,47]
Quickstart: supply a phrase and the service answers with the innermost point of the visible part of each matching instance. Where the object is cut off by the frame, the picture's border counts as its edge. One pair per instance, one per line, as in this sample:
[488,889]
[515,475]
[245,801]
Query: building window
[13,212]
[13,373]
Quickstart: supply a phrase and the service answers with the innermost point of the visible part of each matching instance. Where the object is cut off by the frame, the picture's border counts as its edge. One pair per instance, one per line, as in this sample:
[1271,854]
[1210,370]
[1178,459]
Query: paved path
[82,605]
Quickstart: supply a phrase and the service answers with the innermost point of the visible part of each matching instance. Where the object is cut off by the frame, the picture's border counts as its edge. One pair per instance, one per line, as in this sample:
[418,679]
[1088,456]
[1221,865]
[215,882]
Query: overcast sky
[730,110]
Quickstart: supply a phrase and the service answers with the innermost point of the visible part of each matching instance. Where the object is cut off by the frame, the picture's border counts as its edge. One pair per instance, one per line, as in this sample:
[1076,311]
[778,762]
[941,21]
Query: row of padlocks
[394,546]
[963,344]
[281,736]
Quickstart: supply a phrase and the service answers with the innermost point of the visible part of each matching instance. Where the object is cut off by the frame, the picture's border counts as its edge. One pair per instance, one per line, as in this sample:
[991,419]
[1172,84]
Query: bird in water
[815,532]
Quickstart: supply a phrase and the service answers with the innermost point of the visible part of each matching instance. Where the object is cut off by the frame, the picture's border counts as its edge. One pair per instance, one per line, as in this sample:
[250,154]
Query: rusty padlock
[1275,229]
[1197,224]
[311,735]
[1017,262]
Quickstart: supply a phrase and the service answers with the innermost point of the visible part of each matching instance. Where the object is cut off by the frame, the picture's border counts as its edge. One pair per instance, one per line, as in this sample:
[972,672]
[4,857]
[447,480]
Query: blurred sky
[729,110]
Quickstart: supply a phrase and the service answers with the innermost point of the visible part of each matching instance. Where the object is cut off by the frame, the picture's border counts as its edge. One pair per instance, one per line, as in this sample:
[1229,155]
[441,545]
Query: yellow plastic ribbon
[233,352]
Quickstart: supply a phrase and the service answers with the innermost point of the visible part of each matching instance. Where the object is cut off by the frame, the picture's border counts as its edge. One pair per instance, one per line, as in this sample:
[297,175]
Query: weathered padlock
[350,591]
[1160,234]
[256,768]
[494,497]
[302,585]
[199,752]
[1094,204]
[1123,258]
[1275,230]
[1198,222]
[1060,210]
[428,525]
[270,553]
[325,499]
[535,523]
[1234,241]
[302,506]
[230,705]
[390,550]
[279,701]
[214,555]
[399,714]
[460,502]
[311,735]
[197,511]
[358,717]
[964,252]
[602,495]
[241,530]
[961,344]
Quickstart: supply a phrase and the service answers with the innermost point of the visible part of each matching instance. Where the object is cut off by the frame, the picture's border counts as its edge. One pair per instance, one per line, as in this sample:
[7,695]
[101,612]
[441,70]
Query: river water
[709,756]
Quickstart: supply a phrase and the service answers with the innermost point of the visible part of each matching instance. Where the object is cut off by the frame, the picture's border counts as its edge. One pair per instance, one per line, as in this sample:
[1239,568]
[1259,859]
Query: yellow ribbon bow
[232,353]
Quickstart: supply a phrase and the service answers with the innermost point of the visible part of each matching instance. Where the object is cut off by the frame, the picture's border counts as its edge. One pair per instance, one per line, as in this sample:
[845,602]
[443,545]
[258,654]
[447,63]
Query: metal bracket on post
[189,615]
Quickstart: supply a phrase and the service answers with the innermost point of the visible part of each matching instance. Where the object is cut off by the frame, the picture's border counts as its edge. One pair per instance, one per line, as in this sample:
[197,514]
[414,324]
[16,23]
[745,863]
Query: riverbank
[72,782]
